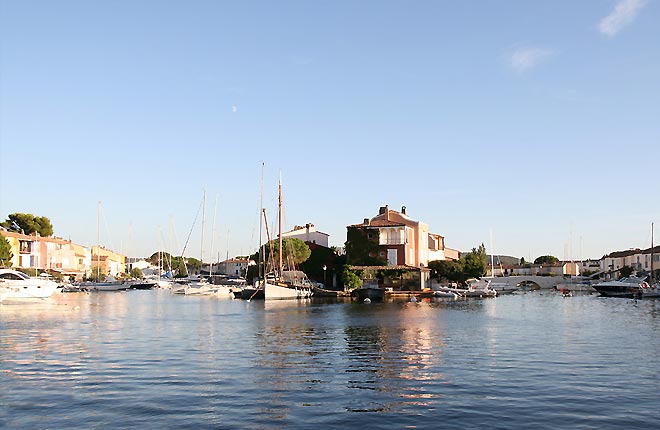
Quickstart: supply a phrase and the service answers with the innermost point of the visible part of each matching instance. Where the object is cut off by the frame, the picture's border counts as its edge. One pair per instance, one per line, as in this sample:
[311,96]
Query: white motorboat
[473,291]
[627,287]
[199,288]
[500,285]
[163,283]
[445,293]
[223,291]
[15,285]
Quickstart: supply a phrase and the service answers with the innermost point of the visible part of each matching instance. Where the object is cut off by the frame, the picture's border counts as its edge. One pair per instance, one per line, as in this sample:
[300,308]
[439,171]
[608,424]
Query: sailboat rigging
[279,283]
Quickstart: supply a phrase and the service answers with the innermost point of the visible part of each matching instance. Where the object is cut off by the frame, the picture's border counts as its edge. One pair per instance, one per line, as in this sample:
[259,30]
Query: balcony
[392,241]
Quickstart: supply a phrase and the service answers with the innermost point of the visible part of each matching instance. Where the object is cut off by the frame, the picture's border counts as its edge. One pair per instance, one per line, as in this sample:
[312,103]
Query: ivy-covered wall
[362,247]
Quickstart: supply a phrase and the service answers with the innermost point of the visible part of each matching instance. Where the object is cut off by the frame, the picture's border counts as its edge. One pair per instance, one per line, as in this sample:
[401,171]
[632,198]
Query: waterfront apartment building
[107,262]
[637,259]
[47,253]
[60,255]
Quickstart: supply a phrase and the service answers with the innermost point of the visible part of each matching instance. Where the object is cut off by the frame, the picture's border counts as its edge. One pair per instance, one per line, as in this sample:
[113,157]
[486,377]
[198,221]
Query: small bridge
[540,281]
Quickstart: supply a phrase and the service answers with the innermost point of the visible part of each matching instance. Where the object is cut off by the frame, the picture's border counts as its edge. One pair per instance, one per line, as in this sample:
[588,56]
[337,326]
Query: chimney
[403,210]
[366,221]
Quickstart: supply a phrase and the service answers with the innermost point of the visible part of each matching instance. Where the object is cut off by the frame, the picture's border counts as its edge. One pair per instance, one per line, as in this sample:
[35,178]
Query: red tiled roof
[380,223]
[400,267]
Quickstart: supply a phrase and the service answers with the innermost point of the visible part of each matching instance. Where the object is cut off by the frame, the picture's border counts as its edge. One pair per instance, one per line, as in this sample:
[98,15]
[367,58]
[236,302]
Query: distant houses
[234,267]
[391,246]
[637,259]
[62,256]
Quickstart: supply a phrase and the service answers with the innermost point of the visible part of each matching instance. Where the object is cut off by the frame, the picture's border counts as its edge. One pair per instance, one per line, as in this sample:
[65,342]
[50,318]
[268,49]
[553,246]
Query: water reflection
[150,359]
[399,355]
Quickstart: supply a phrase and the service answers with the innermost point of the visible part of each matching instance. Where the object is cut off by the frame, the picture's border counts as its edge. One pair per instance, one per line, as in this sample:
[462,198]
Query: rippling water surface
[148,359]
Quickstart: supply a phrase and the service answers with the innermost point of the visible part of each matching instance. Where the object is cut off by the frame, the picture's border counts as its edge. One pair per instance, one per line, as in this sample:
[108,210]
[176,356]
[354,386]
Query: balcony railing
[395,241]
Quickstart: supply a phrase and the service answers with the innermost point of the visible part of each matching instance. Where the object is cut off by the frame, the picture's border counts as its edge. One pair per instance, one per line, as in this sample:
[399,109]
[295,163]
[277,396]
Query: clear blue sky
[536,121]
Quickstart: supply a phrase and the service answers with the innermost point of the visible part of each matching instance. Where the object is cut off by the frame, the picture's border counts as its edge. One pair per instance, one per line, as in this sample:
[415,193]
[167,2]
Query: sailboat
[110,283]
[280,284]
[285,284]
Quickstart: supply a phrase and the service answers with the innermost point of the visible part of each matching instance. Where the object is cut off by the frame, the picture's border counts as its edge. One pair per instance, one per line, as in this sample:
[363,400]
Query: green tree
[136,273]
[193,264]
[28,224]
[351,279]
[179,269]
[320,257]
[295,251]
[473,266]
[626,271]
[447,269]
[475,262]
[546,259]
[5,253]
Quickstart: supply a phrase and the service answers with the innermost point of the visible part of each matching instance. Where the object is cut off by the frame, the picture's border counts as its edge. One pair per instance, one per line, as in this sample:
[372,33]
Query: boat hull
[251,294]
[281,291]
[373,294]
[104,286]
[628,288]
[27,292]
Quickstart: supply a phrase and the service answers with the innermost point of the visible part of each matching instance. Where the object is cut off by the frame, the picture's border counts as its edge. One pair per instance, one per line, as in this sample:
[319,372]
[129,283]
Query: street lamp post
[324,282]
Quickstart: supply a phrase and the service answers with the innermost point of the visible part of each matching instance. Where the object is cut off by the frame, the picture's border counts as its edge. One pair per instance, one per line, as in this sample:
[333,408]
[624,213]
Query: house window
[25,247]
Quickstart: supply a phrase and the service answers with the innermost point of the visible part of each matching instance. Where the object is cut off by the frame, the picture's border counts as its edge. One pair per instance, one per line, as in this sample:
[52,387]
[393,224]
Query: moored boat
[15,285]
[372,293]
[627,287]
[250,293]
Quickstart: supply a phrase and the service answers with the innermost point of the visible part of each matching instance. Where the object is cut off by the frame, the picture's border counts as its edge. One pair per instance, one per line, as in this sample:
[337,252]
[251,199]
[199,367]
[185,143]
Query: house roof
[303,229]
[401,267]
[234,260]
[32,237]
[379,223]
[619,254]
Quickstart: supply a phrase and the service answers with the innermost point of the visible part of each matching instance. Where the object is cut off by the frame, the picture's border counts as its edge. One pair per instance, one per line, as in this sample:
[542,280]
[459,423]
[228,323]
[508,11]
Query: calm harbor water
[149,359]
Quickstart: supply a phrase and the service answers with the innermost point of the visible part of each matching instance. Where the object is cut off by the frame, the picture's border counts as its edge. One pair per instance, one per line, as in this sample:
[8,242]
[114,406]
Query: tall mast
[215,213]
[279,222]
[98,244]
[651,253]
[261,271]
[201,253]
[492,255]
